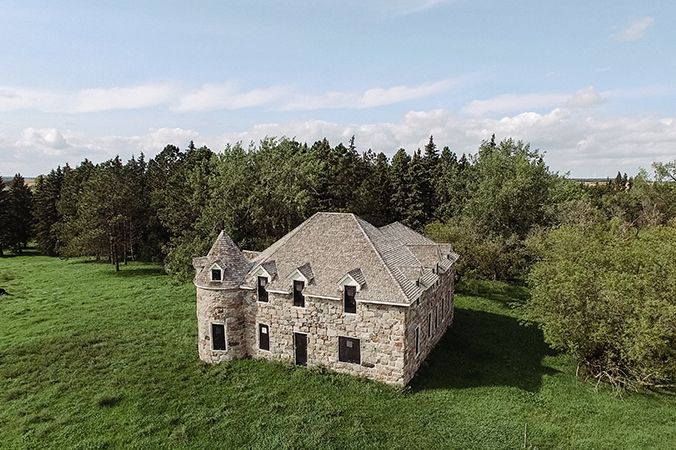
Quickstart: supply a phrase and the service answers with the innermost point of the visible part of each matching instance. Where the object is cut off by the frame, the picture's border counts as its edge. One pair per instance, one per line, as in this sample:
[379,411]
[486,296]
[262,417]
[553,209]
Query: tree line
[596,256]
[172,207]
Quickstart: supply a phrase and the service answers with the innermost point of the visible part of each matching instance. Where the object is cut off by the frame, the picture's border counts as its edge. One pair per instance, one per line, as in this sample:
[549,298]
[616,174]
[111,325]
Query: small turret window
[216,274]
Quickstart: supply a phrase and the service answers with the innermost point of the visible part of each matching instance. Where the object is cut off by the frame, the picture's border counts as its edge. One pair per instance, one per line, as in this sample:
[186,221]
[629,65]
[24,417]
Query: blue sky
[590,83]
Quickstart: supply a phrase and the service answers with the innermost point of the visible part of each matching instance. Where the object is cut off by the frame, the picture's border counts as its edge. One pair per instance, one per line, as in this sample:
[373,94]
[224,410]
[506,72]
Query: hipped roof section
[335,244]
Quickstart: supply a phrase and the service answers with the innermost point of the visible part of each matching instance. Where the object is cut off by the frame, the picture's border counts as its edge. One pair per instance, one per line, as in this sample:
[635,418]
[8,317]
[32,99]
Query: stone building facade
[334,292]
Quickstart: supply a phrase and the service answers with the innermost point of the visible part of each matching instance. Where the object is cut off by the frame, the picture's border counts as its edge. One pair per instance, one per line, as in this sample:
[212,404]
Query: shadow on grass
[485,349]
[25,252]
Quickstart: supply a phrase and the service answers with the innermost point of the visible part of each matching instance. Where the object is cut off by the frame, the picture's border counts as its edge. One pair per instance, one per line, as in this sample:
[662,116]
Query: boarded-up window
[349,350]
[350,304]
[215,274]
[217,336]
[262,292]
[298,297]
[263,337]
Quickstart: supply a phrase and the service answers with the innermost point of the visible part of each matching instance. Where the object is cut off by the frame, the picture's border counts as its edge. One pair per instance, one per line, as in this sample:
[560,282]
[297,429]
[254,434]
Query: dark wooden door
[300,346]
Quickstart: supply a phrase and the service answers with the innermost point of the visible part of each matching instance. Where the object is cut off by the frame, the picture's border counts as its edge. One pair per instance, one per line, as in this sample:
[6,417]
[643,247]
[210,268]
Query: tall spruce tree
[399,183]
[46,195]
[20,200]
[418,190]
[4,217]
[429,181]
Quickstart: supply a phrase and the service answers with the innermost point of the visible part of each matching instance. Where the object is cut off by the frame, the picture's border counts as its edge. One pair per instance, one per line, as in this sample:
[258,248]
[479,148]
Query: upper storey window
[349,302]
[262,292]
[298,297]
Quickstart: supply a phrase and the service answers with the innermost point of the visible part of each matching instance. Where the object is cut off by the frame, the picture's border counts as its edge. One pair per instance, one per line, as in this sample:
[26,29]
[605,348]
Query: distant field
[93,359]
[29,181]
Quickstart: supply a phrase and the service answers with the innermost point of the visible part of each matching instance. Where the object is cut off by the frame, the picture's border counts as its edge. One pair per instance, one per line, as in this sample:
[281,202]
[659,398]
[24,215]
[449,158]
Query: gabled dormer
[353,278]
[300,278]
[351,283]
[216,272]
[263,276]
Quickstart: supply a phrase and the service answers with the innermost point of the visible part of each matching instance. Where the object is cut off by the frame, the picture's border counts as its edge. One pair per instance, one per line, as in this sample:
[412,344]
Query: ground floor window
[217,336]
[349,350]
[263,337]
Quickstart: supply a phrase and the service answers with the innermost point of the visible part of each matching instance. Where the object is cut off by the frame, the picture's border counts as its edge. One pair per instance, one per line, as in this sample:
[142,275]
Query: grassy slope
[90,358]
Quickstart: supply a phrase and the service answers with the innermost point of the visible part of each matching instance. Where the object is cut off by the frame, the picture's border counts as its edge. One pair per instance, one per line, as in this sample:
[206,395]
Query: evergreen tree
[4,217]
[418,191]
[399,183]
[47,192]
[373,195]
[69,226]
[450,188]
[20,200]
[429,180]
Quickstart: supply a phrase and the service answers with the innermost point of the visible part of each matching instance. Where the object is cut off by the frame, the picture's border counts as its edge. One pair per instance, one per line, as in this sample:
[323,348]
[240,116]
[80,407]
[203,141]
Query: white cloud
[574,139]
[368,99]
[143,96]
[226,96]
[585,98]
[506,103]
[48,141]
[510,102]
[222,96]
[635,31]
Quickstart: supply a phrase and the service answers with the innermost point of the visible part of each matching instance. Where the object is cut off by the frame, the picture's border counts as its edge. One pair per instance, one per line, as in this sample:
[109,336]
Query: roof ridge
[380,256]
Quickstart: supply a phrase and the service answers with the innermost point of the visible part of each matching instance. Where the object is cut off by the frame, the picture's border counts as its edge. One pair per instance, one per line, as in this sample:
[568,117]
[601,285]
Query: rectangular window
[436,316]
[217,336]
[263,337]
[349,302]
[349,350]
[215,274]
[443,302]
[429,325]
[262,292]
[298,297]
[417,340]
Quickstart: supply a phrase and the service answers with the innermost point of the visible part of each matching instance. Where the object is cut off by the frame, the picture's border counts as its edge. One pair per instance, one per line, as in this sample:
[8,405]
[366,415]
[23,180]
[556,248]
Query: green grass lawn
[94,359]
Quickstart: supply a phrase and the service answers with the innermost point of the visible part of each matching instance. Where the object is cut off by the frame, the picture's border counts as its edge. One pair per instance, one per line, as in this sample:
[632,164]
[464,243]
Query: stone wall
[380,329]
[386,332]
[428,307]
[221,307]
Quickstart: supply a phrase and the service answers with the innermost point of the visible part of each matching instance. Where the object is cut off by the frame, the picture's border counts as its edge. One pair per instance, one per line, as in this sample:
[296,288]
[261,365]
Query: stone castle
[334,292]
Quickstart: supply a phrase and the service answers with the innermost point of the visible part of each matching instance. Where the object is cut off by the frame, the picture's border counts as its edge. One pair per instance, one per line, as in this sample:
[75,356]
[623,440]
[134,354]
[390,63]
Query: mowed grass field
[93,359]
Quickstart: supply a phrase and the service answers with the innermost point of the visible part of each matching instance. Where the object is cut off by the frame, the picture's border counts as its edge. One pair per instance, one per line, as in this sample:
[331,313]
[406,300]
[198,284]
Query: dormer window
[216,274]
[349,302]
[262,292]
[298,297]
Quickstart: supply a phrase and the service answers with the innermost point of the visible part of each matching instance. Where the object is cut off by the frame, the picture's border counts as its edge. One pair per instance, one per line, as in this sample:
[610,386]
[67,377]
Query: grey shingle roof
[327,246]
